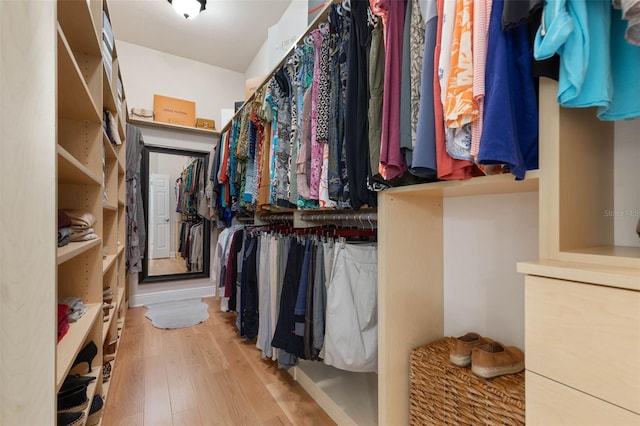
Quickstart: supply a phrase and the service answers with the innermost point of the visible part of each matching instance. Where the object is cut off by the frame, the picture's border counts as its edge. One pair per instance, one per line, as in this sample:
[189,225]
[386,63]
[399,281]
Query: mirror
[178,237]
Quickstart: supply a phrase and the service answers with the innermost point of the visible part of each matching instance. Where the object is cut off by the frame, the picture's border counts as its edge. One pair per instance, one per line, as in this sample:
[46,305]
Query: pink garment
[392,162]
[317,149]
[481,13]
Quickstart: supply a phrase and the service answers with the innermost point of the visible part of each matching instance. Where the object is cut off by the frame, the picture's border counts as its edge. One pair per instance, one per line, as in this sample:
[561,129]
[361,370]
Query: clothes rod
[368,217]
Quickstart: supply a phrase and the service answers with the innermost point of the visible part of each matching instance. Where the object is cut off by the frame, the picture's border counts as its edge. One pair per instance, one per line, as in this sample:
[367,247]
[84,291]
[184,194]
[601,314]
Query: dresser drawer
[586,337]
[551,403]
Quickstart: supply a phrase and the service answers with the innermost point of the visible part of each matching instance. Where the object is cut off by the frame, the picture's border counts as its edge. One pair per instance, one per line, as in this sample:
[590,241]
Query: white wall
[146,72]
[289,28]
[140,294]
[260,63]
[627,182]
[484,237]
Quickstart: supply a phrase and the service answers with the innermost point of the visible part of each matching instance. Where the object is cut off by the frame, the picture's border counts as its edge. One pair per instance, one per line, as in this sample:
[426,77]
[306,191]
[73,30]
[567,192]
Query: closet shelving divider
[89,166]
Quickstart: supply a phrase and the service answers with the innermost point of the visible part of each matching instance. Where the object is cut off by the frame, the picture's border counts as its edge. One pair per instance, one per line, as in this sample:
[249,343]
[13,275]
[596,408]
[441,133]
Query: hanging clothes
[136,231]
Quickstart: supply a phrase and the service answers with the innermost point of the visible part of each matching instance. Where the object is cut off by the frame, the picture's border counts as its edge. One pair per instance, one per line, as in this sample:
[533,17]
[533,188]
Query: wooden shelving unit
[173,127]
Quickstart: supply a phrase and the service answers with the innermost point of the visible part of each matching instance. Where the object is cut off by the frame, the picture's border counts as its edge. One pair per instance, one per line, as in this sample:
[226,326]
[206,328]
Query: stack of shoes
[72,399]
[107,305]
[488,359]
[95,412]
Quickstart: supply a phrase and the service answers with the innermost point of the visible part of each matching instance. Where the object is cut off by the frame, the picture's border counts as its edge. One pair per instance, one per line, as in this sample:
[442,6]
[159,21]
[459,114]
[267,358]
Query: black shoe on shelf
[73,399]
[95,412]
[75,380]
[86,355]
[70,419]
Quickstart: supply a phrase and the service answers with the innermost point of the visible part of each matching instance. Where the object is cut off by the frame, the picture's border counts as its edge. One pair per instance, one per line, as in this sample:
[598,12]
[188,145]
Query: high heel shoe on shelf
[70,419]
[73,399]
[75,380]
[86,355]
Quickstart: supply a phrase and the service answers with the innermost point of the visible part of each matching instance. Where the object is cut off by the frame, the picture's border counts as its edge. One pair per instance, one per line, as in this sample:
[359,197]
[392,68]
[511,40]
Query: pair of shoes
[488,358]
[86,355]
[70,419]
[95,412]
[73,399]
[75,380]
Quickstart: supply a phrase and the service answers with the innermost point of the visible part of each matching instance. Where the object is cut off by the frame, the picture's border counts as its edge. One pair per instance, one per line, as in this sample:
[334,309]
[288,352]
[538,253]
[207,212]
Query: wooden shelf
[483,185]
[108,207]
[77,22]
[607,275]
[106,326]
[109,150]
[348,398]
[120,202]
[120,249]
[175,127]
[121,170]
[120,298]
[74,97]
[108,262]
[73,249]
[72,342]
[71,171]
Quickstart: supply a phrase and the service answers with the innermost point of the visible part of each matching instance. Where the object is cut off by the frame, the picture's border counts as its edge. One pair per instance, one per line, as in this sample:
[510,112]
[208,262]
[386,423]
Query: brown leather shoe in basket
[494,359]
[460,352]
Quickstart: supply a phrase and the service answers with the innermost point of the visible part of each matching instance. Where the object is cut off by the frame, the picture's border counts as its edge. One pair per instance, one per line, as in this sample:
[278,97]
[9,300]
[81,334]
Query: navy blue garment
[510,130]
[424,151]
[249,289]
[301,300]
[284,336]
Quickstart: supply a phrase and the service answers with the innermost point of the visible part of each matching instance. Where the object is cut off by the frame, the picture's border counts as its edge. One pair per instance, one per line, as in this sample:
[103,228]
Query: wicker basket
[442,394]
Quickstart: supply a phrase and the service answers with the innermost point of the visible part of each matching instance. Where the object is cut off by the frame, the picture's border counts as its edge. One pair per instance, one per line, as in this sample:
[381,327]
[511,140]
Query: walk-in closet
[312,212]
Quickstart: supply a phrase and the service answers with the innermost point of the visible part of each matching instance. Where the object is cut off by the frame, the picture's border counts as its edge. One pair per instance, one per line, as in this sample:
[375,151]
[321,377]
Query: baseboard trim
[169,295]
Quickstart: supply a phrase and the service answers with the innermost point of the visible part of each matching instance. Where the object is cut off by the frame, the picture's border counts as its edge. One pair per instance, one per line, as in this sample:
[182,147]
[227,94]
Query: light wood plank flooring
[203,375]
[167,266]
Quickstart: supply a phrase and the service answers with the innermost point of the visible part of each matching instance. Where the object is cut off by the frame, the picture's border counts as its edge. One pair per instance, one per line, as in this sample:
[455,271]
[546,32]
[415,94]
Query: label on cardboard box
[174,111]
[205,123]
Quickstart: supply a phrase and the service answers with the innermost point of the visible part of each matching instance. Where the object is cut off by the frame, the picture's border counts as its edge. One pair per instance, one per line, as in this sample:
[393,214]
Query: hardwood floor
[167,266]
[203,375]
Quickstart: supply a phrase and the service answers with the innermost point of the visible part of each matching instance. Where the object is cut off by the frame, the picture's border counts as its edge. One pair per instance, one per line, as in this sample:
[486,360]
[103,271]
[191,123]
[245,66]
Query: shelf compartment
[71,171]
[483,185]
[76,20]
[109,150]
[120,249]
[120,298]
[606,275]
[176,127]
[92,387]
[71,343]
[348,398]
[108,97]
[74,96]
[72,249]
[109,207]
[106,326]
[108,262]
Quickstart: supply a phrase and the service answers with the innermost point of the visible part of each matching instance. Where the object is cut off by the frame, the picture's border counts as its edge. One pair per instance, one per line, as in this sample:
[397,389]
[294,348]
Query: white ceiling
[228,33]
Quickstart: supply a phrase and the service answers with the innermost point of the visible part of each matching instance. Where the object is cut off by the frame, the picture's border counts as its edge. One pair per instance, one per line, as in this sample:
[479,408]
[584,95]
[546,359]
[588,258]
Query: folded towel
[87,237]
[75,307]
[63,242]
[63,219]
[64,233]
[80,219]
[81,233]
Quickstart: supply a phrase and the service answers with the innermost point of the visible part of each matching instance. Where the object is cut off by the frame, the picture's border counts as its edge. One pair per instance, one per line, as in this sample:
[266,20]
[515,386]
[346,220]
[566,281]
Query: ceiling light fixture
[188,8]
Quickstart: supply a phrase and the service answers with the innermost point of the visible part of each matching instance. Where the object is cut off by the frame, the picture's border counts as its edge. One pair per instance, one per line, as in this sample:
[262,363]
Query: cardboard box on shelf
[174,111]
[205,123]
[252,84]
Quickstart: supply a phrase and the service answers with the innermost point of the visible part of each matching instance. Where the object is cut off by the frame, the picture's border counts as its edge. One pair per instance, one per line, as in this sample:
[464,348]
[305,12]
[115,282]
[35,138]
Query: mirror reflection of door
[159,217]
